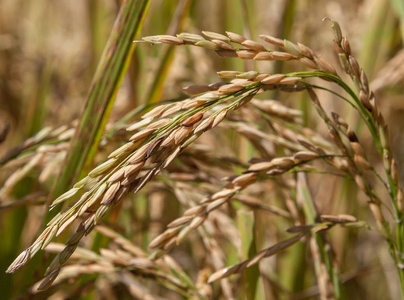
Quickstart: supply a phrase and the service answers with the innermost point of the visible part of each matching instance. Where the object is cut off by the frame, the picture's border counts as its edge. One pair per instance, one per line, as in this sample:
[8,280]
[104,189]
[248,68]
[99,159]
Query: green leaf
[246,227]
[104,87]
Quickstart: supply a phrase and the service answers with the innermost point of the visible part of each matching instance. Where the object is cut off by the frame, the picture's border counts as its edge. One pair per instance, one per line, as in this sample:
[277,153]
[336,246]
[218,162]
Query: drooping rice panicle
[284,151]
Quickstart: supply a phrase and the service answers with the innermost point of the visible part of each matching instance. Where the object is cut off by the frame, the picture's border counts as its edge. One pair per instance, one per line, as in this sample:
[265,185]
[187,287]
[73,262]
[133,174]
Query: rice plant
[255,186]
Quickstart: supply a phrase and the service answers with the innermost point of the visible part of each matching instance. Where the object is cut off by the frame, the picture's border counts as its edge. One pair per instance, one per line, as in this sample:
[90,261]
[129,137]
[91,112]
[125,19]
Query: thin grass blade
[105,84]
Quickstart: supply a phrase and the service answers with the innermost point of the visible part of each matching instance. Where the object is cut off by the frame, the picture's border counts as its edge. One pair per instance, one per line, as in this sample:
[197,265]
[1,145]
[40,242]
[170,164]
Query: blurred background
[49,51]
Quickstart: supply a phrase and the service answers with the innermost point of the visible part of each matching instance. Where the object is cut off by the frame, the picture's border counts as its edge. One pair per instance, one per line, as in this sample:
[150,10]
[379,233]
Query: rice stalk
[105,84]
[167,130]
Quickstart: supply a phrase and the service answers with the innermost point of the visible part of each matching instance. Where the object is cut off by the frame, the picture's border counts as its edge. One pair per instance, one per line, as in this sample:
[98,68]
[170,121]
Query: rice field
[201,149]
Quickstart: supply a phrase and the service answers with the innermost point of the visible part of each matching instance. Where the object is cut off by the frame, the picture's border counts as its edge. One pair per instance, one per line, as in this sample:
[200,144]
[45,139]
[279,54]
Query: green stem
[311,215]
[105,84]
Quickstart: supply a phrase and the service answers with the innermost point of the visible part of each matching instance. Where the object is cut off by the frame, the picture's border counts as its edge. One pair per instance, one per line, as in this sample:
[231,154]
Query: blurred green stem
[106,82]
[378,36]
[399,9]
[310,212]
[246,228]
[37,106]
[156,89]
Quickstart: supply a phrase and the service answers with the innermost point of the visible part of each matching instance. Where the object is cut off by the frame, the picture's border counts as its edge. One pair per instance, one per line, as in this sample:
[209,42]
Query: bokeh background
[49,51]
